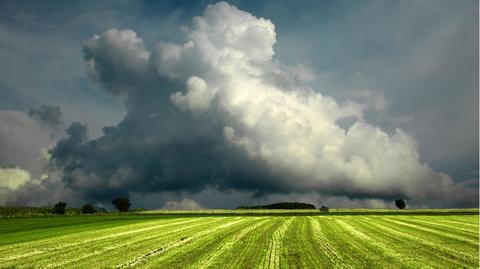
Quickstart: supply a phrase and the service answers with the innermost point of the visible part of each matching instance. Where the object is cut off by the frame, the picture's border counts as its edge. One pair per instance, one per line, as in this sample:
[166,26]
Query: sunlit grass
[229,239]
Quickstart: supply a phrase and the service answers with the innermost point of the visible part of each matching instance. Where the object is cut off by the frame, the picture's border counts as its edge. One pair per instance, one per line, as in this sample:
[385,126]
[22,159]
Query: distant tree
[88,209]
[59,208]
[401,204]
[324,209]
[121,203]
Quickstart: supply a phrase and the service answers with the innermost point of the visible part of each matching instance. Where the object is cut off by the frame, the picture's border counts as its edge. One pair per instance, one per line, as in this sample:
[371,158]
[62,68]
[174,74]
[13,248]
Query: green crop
[226,239]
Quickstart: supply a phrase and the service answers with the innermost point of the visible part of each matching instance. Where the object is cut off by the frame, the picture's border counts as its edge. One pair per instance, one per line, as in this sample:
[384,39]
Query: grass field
[227,239]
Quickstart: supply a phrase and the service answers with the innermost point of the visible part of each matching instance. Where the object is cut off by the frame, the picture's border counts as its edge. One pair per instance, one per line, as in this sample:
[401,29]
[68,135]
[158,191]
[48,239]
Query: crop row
[247,242]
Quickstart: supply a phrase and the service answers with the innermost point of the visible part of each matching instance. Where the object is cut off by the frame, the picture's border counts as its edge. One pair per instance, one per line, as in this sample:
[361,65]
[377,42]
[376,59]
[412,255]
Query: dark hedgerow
[287,205]
[59,208]
[122,204]
[88,209]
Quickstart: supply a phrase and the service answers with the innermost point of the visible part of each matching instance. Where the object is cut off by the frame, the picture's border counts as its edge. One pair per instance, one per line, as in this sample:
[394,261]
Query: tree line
[122,204]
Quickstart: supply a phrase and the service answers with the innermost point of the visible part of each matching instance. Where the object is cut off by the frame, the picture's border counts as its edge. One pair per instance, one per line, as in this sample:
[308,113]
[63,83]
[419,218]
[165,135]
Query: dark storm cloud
[140,157]
[48,115]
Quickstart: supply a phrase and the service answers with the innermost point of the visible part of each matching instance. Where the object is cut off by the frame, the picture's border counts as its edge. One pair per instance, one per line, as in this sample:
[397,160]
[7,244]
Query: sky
[206,104]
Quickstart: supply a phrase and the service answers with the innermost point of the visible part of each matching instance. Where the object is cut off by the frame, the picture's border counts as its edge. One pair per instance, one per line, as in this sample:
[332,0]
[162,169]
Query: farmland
[242,239]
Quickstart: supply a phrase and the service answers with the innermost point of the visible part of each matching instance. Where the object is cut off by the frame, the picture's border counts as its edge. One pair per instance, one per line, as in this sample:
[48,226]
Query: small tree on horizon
[324,209]
[122,204]
[59,208]
[88,209]
[401,204]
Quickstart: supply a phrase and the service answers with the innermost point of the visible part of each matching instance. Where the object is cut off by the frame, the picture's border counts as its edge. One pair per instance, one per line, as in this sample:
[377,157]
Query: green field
[240,239]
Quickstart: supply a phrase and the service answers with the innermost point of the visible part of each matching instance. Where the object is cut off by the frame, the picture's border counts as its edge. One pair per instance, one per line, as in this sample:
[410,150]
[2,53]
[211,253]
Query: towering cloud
[219,112]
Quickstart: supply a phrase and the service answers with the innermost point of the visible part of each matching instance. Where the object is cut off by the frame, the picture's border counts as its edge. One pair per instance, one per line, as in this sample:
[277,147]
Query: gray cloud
[233,128]
[40,52]
[26,177]
[24,139]
[48,115]
[14,99]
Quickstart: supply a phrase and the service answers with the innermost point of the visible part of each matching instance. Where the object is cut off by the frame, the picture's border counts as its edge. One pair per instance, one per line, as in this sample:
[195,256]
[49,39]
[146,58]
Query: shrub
[24,211]
[59,208]
[122,204]
[401,204]
[324,209]
[88,209]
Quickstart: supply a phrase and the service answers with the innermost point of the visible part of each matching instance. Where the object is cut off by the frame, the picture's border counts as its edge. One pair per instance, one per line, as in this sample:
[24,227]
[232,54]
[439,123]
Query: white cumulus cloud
[293,129]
